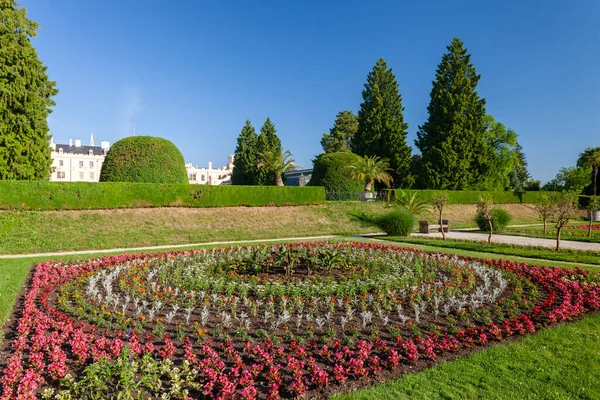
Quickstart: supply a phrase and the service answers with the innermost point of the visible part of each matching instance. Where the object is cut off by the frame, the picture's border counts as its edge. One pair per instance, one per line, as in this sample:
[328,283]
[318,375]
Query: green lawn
[566,255]
[580,235]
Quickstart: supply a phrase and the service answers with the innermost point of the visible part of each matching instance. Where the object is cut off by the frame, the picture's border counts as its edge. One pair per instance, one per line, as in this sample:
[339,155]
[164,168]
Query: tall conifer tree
[452,141]
[381,127]
[267,141]
[25,99]
[341,134]
[245,171]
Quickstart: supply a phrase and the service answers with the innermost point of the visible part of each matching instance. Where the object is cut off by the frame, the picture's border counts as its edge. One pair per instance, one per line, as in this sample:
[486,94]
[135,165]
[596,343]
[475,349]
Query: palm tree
[371,169]
[277,163]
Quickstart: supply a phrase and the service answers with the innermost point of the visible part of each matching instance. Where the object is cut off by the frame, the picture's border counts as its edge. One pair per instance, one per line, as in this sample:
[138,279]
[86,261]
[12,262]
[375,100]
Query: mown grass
[556,363]
[53,231]
[566,255]
[580,235]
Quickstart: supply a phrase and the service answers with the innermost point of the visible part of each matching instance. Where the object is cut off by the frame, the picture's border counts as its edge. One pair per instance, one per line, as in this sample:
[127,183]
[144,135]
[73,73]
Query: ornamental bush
[331,171]
[500,219]
[144,159]
[397,222]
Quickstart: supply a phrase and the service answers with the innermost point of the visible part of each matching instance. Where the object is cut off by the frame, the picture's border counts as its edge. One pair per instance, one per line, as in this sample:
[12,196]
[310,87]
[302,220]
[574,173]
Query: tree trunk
[278,180]
[558,238]
[442,226]
[368,185]
[491,230]
[545,230]
[591,223]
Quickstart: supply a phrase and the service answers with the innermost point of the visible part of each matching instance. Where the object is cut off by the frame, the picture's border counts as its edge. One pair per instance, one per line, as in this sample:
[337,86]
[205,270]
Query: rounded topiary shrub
[500,219]
[331,171]
[144,159]
[398,222]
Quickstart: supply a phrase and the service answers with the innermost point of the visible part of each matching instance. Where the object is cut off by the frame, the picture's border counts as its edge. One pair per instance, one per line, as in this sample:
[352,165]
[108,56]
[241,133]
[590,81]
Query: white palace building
[75,162]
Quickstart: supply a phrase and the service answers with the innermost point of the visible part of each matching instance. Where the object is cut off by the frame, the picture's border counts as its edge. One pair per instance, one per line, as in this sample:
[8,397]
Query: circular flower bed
[305,319]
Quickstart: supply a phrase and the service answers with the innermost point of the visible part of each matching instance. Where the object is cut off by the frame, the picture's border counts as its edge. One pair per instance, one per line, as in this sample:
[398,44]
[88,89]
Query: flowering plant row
[595,227]
[308,319]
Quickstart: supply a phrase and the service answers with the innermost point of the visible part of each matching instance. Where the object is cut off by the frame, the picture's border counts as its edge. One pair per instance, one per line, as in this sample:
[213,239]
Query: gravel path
[507,239]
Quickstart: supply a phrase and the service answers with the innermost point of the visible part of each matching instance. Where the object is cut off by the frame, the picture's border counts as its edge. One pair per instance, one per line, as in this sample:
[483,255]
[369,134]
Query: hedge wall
[39,195]
[472,196]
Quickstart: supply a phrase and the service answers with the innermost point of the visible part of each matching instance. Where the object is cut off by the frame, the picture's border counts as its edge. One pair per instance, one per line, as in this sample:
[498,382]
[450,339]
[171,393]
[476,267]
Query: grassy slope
[48,231]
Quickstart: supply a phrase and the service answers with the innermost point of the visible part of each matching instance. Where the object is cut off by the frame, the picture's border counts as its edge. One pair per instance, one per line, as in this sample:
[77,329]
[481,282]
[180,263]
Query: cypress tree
[452,141]
[25,99]
[340,136]
[246,157]
[267,142]
[381,127]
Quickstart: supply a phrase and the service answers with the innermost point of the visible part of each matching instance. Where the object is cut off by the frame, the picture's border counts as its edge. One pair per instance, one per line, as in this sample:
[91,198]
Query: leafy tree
[571,179]
[544,208]
[439,200]
[371,169]
[381,127]
[339,137]
[277,163]
[564,209]
[245,171]
[484,208]
[519,177]
[452,140]
[25,99]
[533,185]
[267,141]
[502,144]
[591,158]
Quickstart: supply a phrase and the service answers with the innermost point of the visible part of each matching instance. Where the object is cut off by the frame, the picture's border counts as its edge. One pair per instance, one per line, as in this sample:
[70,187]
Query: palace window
[91,175]
[80,164]
[91,164]
[60,175]
[81,176]
[60,163]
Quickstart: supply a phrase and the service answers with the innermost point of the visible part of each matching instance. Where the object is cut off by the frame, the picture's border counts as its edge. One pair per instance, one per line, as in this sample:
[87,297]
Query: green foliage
[144,159]
[340,136]
[472,196]
[277,163]
[245,170]
[381,127]
[332,170]
[267,141]
[500,220]
[371,169]
[398,222]
[410,201]
[570,179]
[23,195]
[520,180]
[25,99]
[591,158]
[452,142]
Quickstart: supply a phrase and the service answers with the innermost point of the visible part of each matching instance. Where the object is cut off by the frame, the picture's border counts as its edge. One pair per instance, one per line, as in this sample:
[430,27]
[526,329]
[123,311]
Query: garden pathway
[507,239]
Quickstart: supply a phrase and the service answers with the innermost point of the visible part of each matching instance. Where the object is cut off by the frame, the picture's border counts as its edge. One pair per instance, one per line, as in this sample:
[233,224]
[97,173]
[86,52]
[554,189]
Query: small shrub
[331,171]
[397,222]
[500,219]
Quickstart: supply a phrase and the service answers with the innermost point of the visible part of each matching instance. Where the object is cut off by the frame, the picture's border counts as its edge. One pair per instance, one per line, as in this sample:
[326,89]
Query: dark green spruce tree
[245,171]
[340,136]
[267,141]
[381,127]
[452,141]
[25,99]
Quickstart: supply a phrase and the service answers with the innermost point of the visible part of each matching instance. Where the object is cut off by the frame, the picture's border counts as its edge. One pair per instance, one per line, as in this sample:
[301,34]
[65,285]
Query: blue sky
[193,71]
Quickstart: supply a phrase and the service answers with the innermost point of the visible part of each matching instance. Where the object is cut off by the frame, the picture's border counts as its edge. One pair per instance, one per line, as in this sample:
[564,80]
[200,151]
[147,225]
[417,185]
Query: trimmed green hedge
[144,159]
[41,195]
[331,171]
[472,196]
